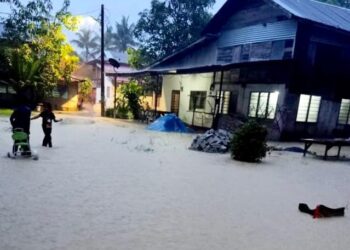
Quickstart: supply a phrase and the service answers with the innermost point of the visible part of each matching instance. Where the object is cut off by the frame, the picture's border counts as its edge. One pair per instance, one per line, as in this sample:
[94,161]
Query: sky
[114,10]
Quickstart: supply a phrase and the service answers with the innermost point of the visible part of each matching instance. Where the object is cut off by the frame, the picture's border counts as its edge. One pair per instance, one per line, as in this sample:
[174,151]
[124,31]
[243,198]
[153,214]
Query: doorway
[175,102]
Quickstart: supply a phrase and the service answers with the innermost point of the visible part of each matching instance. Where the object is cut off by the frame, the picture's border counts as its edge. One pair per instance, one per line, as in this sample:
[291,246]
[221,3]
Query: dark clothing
[47,138]
[48,117]
[20,118]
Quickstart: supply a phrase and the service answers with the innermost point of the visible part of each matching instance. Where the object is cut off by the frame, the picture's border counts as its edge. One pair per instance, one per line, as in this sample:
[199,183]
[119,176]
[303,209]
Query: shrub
[131,92]
[122,113]
[249,142]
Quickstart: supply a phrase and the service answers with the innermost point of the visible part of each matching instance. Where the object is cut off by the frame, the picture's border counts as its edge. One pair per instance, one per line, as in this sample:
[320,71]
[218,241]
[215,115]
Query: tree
[135,59]
[171,25]
[37,39]
[342,3]
[119,40]
[88,41]
[131,92]
[35,18]
[124,36]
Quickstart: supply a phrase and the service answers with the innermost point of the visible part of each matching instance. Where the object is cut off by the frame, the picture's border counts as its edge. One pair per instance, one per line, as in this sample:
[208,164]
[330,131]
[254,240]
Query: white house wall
[185,84]
[109,100]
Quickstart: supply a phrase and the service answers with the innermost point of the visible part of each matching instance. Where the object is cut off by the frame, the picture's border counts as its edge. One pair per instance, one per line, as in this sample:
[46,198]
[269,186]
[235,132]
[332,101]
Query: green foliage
[249,142]
[171,25]
[31,20]
[85,87]
[120,112]
[135,58]
[5,112]
[130,94]
[41,57]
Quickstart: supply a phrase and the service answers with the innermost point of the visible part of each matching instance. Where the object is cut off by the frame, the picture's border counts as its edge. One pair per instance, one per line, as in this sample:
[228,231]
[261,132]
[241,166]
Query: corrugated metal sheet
[259,33]
[319,12]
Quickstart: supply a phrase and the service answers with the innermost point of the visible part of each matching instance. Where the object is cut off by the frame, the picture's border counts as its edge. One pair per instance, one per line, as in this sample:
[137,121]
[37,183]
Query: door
[175,102]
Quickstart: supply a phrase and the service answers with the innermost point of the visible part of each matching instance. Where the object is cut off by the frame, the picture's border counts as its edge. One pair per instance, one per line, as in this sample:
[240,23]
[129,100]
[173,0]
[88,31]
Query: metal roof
[318,12]
[315,11]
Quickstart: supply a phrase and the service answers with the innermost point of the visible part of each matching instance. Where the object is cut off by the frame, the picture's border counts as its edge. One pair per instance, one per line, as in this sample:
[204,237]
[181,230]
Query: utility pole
[102,61]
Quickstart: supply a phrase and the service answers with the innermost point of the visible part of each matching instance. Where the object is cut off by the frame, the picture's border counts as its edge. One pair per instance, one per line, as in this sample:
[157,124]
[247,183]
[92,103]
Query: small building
[92,71]
[65,96]
[283,62]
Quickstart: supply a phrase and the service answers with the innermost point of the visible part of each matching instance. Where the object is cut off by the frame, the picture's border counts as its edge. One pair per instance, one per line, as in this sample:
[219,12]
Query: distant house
[284,62]
[92,71]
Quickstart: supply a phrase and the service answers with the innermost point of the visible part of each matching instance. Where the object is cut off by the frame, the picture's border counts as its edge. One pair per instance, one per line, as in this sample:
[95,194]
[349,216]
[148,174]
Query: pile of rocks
[212,141]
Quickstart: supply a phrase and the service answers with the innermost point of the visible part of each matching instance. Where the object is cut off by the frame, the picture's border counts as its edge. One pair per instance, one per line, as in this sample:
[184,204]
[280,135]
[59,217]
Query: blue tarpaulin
[168,123]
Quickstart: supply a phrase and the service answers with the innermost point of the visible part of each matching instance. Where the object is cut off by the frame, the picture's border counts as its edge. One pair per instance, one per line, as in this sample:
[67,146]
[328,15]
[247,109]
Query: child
[48,116]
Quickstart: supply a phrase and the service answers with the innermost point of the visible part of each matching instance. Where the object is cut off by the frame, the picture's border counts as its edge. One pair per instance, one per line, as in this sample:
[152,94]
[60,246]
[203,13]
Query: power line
[88,12]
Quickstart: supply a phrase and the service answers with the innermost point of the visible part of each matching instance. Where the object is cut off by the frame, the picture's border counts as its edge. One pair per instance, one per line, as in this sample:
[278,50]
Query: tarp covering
[169,123]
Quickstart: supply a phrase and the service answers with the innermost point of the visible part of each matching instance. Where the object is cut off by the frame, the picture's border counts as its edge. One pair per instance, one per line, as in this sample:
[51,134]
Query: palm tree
[109,42]
[88,41]
[124,35]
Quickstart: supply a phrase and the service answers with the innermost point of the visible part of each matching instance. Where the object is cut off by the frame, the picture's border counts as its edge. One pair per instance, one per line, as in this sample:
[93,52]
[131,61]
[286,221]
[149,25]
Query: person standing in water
[48,116]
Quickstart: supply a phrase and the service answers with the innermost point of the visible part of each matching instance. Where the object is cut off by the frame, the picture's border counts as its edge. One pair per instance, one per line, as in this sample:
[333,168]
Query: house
[65,96]
[284,62]
[92,71]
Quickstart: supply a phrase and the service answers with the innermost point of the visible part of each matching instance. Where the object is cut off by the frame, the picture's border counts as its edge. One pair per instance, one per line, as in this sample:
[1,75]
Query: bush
[249,142]
[122,113]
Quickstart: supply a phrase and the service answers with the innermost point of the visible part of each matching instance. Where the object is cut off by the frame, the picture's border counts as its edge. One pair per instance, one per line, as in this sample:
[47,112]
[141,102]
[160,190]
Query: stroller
[21,146]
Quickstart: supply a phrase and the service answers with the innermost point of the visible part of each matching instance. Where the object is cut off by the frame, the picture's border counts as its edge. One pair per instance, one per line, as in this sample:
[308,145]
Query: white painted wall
[186,84]
[109,101]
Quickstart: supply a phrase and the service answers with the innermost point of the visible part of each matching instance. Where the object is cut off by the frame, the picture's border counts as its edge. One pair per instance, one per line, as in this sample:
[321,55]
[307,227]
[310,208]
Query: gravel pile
[212,141]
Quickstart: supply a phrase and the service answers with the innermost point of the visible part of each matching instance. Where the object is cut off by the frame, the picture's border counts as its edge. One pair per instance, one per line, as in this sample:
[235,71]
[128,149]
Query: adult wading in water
[48,116]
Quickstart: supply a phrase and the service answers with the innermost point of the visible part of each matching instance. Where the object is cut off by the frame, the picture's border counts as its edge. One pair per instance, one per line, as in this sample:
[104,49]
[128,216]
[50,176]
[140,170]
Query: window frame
[201,94]
[308,109]
[224,97]
[347,122]
[266,112]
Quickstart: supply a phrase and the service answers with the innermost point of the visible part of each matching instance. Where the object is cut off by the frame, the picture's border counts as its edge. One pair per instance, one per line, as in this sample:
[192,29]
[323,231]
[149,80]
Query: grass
[5,112]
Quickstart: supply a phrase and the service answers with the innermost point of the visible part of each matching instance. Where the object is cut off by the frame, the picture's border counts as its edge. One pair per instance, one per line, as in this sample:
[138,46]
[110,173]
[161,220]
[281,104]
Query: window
[3,89]
[344,112]
[263,104]
[309,106]
[197,100]
[224,101]
[245,50]
[60,91]
[108,92]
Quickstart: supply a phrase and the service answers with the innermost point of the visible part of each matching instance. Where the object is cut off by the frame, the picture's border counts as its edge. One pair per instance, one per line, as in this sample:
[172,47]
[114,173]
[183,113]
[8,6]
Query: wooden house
[284,62]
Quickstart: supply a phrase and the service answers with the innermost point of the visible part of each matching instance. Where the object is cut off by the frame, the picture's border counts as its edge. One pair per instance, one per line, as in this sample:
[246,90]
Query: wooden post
[115,96]
[102,62]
